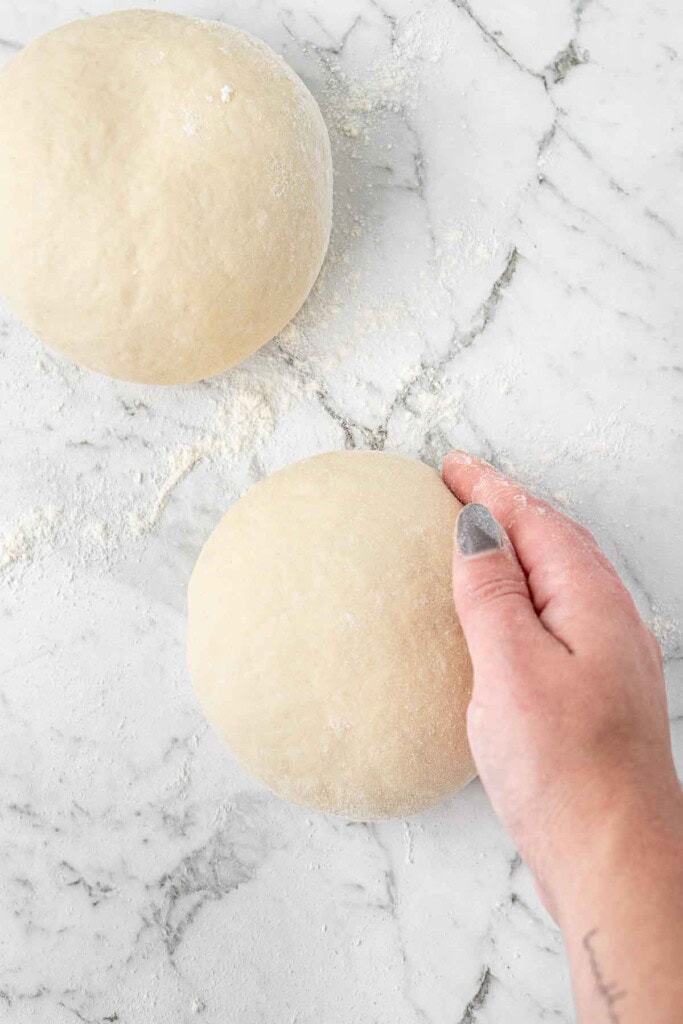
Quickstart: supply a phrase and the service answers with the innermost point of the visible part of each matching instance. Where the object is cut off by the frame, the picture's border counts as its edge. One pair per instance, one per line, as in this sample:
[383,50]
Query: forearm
[622,919]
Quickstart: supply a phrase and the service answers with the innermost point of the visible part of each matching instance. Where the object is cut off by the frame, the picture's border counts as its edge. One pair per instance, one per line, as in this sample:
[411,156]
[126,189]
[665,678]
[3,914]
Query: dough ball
[165,194]
[323,642]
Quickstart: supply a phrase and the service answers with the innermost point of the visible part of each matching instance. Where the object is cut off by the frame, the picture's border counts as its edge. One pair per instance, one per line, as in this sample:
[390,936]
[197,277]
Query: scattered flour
[242,425]
[666,628]
[462,246]
[19,543]
[390,84]
[190,125]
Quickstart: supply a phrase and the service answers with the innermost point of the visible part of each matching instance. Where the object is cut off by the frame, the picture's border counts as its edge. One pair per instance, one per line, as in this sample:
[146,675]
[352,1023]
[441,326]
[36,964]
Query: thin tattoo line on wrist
[608,990]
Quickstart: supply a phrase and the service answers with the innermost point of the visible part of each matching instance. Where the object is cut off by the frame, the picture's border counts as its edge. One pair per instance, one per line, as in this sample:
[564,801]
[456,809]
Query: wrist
[634,838]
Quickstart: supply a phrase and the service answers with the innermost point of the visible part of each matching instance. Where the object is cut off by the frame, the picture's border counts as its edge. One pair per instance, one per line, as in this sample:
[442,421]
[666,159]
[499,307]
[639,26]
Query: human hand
[568,723]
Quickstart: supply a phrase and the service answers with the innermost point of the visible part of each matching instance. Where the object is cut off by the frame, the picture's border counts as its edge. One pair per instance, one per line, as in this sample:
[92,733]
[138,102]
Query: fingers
[573,587]
[491,594]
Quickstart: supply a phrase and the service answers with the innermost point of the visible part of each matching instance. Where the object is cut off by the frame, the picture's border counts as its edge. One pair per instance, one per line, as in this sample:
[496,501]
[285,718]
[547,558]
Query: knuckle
[615,592]
[585,541]
[582,531]
[487,591]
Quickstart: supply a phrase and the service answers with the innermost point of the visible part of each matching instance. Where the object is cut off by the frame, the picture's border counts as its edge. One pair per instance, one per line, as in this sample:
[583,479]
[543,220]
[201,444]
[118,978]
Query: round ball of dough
[165,194]
[323,643]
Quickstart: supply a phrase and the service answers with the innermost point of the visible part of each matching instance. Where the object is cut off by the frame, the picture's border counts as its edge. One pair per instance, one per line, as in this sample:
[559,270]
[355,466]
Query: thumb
[490,591]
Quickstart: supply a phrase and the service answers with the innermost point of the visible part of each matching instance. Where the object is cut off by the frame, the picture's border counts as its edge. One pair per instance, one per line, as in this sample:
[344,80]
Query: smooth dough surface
[323,643]
[165,194]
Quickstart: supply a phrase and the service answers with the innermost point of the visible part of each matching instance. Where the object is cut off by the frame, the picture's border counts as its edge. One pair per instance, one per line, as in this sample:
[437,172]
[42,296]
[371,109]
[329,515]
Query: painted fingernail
[477,531]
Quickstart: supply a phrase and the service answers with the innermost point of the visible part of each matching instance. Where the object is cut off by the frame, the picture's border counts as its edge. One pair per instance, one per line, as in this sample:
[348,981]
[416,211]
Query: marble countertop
[504,276]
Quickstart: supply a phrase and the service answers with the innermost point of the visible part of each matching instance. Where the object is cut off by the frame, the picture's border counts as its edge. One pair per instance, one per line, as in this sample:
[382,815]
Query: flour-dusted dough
[165,194]
[323,643]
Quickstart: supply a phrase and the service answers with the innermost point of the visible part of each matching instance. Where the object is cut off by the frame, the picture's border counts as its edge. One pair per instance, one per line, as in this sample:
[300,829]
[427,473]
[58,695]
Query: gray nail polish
[477,531]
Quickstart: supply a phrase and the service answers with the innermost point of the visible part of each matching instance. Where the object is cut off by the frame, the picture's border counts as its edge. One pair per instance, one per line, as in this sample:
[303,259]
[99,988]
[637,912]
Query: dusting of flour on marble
[20,543]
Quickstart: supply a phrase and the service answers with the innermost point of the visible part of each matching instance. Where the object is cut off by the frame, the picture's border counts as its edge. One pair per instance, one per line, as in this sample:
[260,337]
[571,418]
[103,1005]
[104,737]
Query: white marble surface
[505,276]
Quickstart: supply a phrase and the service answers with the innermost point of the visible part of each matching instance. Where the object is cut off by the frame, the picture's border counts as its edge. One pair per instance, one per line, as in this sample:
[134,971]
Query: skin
[568,727]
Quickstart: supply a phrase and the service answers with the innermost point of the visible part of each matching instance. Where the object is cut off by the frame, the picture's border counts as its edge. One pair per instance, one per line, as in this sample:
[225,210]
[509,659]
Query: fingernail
[477,531]
[458,455]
